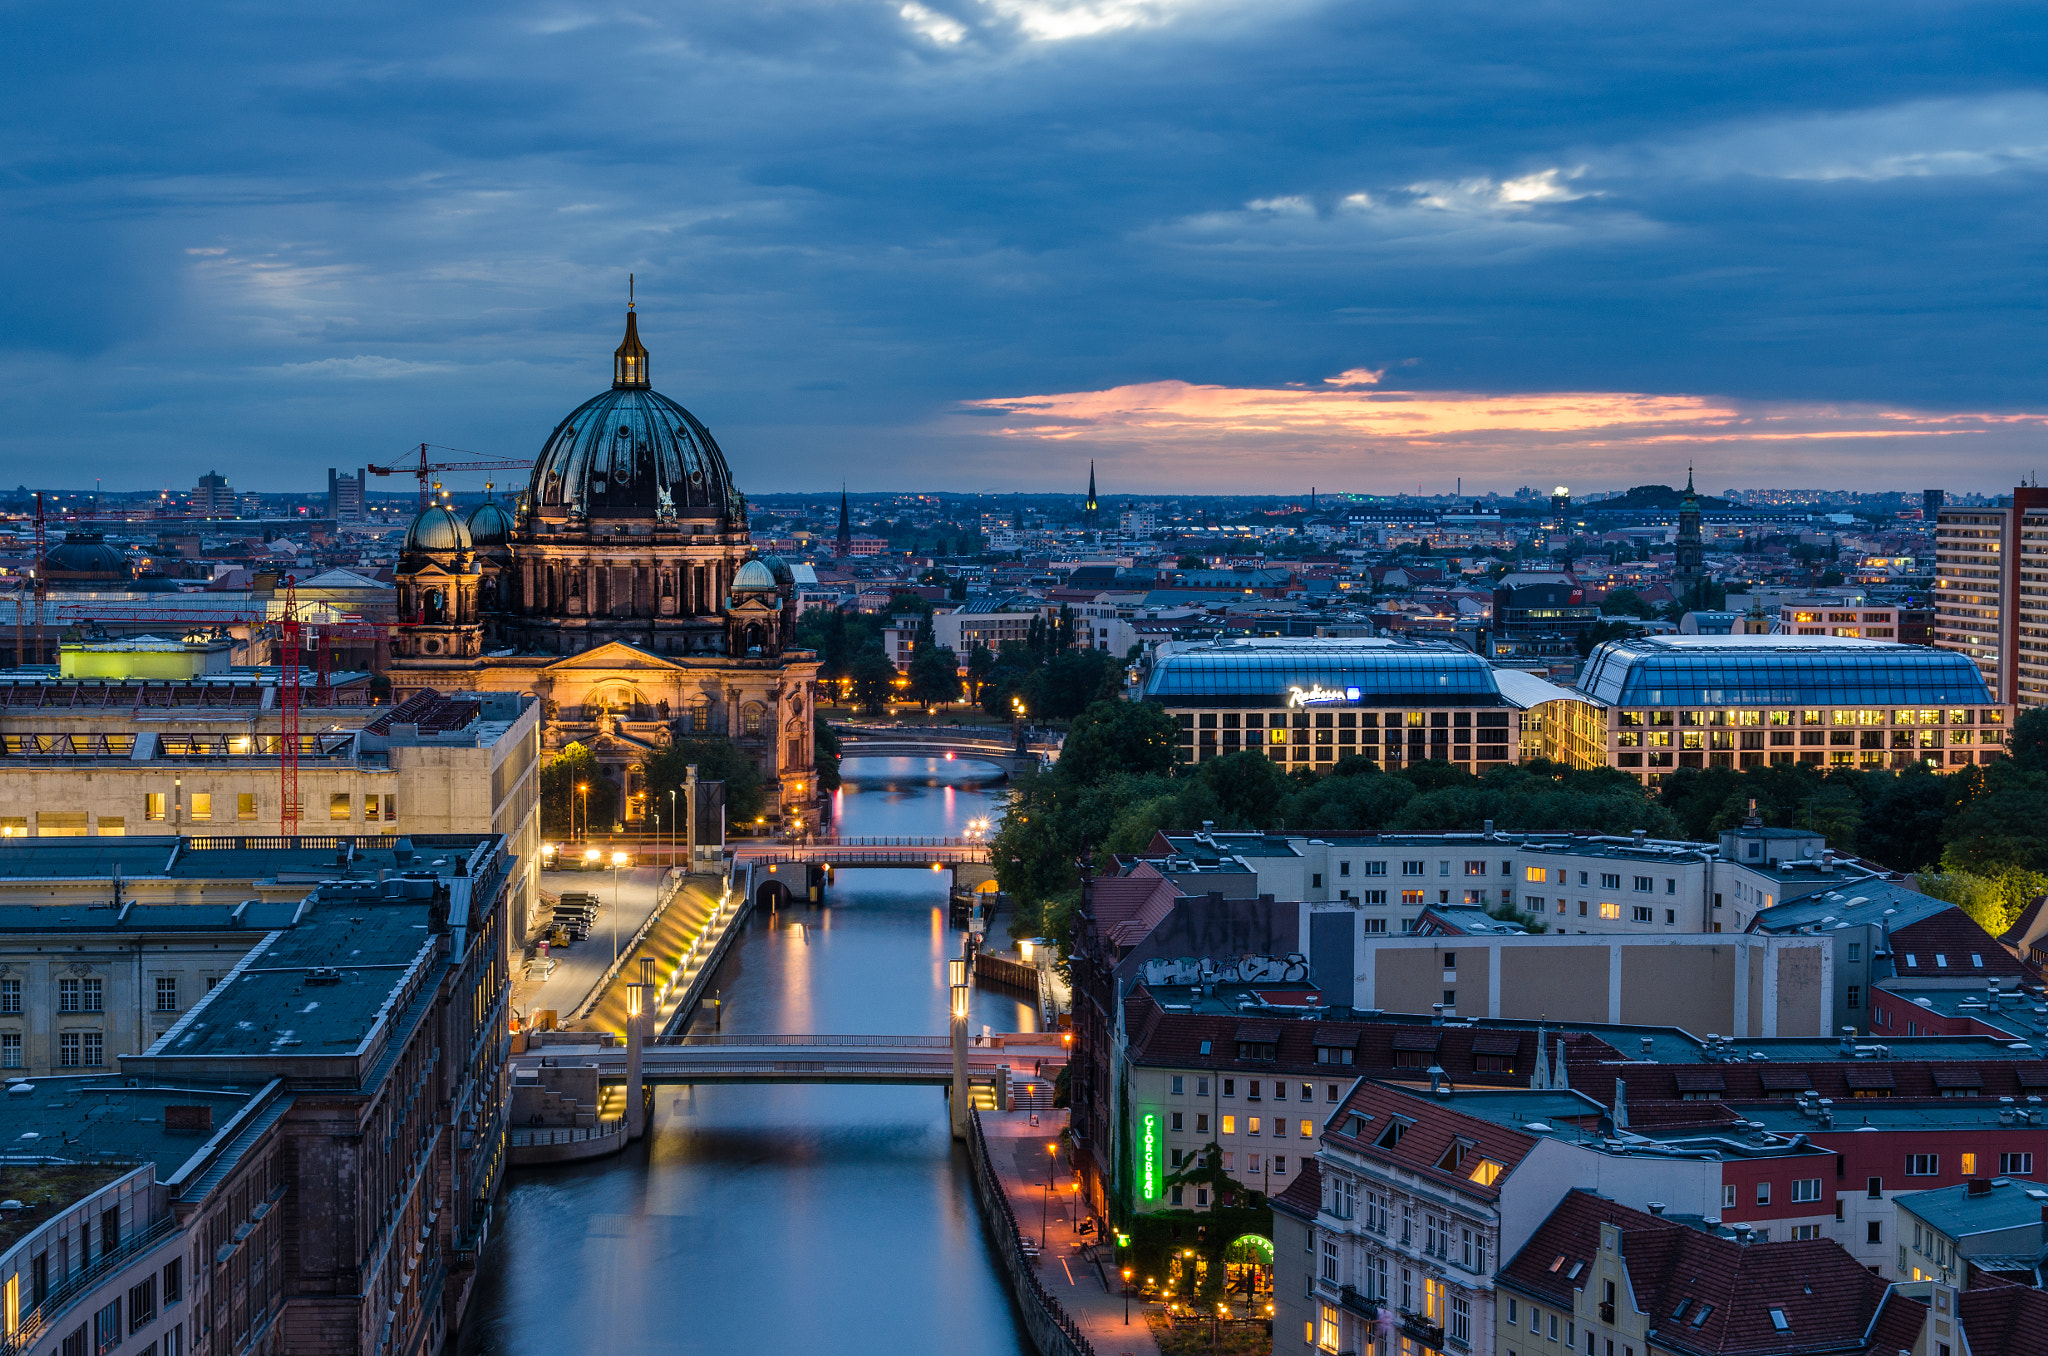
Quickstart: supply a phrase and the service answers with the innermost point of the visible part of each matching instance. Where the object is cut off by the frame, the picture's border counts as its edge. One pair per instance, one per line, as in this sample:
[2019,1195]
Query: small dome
[754,575]
[436,529]
[785,578]
[489,525]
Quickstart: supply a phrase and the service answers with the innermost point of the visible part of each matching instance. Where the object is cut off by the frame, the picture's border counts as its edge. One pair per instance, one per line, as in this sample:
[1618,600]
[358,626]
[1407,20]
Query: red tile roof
[2002,1317]
[1161,1039]
[1745,1081]
[1949,945]
[1304,1195]
[1433,1129]
[1706,1295]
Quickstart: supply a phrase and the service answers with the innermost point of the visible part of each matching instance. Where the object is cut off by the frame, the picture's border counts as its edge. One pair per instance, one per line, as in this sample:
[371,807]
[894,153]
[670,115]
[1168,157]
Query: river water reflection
[783,1219]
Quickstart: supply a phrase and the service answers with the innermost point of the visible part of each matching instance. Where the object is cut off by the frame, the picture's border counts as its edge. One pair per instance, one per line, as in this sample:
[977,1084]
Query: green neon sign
[1148,1156]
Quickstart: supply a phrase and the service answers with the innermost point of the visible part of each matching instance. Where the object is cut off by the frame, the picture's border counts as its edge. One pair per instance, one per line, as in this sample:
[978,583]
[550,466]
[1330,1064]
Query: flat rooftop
[214,858]
[101,1121]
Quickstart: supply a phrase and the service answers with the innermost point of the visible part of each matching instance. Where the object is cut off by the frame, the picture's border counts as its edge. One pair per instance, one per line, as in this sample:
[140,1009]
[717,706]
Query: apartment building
[1991,593]
[961,631]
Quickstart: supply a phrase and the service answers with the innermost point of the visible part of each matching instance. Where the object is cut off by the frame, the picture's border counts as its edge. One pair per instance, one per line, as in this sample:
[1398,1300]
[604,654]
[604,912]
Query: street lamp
[583,790]
[671,826]
[1127,1297]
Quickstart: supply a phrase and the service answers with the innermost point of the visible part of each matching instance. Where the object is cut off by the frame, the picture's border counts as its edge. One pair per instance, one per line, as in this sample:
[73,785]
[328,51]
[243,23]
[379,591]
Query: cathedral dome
[436,529]
[785,577]
[489,525]
[632,453]
[754,574]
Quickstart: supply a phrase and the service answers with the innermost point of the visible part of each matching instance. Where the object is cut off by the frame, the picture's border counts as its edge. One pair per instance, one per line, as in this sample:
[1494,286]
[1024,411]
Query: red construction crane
[425,469]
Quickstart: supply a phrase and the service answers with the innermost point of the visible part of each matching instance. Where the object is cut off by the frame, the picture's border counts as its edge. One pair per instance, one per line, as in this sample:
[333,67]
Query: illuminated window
[1329,1332]
[202,805]
[153,805]
[1487,1173]
[1230,1125]
[1969,1165]
[1610,911]
[245,805]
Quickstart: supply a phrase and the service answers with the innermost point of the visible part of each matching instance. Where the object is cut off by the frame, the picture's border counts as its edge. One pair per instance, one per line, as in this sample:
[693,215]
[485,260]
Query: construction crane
[426,470]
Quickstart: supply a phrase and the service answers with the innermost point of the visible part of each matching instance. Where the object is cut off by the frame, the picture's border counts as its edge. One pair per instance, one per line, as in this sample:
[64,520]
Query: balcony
[1422,1330]
[1607,1312]
[1355,1303]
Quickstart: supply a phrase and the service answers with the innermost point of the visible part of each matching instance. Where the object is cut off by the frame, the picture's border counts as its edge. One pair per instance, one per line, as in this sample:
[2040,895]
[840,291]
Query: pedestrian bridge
[918,1061]
[940,742]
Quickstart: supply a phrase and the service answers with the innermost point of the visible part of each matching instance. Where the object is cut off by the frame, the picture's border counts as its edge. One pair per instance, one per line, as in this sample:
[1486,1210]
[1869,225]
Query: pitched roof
[1304,1195]
[1751,1081]
[1439,1142]
[1710,1295]
[1558,1257]
[2001,1317]
[1950,945]
[1162,1039]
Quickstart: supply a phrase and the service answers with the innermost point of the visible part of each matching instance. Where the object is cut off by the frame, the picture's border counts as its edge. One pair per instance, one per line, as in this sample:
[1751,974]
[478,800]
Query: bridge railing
[815,1042]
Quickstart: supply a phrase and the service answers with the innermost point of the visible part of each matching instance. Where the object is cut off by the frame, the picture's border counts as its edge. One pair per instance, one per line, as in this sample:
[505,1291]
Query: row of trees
[1973,836]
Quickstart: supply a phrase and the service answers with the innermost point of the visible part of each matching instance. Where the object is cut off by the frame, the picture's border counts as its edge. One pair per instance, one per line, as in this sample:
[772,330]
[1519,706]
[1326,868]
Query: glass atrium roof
[1380,676]
[1779,671]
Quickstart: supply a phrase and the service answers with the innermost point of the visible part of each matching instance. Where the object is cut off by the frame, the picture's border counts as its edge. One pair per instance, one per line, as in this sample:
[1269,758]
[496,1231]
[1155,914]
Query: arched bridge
[911,741]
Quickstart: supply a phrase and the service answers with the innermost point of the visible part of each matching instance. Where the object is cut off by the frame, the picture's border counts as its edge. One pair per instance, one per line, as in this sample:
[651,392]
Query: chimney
[1641,835]
[1649,1045]
[1657,1208]
[1489,828]
[1978,1186]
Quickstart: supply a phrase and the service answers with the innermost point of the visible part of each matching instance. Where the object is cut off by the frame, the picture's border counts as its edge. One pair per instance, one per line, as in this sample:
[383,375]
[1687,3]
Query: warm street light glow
[618,859]
[591,855]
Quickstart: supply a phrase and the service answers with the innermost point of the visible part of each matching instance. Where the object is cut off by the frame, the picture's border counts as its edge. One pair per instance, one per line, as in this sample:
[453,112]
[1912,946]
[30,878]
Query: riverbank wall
[1047,1324]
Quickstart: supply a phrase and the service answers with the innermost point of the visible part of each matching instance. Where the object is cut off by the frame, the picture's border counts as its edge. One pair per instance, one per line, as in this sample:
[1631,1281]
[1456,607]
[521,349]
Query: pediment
[615,655]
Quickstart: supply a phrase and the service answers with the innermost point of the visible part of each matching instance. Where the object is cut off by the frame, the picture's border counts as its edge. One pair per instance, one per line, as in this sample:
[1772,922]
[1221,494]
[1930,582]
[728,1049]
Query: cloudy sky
[1250,245]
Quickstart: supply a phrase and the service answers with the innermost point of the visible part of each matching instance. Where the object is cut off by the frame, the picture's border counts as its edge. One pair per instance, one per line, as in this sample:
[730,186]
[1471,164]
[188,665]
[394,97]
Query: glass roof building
[1308,702]
[1658,703]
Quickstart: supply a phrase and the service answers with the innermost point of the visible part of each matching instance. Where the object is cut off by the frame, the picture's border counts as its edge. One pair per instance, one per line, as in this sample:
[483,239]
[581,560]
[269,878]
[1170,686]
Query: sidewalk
[578,967]
[1090,1292]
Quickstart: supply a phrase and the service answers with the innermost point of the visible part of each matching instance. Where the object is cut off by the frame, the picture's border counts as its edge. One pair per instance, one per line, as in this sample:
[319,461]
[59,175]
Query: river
[783,1219]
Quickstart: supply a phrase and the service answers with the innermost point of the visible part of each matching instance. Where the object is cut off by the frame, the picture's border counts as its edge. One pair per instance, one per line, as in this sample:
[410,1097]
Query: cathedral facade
[623,593]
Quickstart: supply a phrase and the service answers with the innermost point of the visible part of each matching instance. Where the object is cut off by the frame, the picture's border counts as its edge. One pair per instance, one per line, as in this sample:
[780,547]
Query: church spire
[629,359]
[842,545]
[1089,509]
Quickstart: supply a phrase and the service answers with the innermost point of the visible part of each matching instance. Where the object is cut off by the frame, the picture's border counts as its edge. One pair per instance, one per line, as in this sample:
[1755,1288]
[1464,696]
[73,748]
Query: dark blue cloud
[277,237]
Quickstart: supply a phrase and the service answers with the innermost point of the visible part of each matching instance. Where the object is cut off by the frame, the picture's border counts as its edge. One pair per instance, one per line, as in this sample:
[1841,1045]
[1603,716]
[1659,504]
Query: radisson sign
[1315,694]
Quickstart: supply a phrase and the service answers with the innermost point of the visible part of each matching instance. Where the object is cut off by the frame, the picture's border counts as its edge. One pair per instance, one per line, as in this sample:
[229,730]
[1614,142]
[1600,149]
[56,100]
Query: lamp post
[1052,1163]
[1127,1297]
[618,861]
[583,791]
[671,826]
